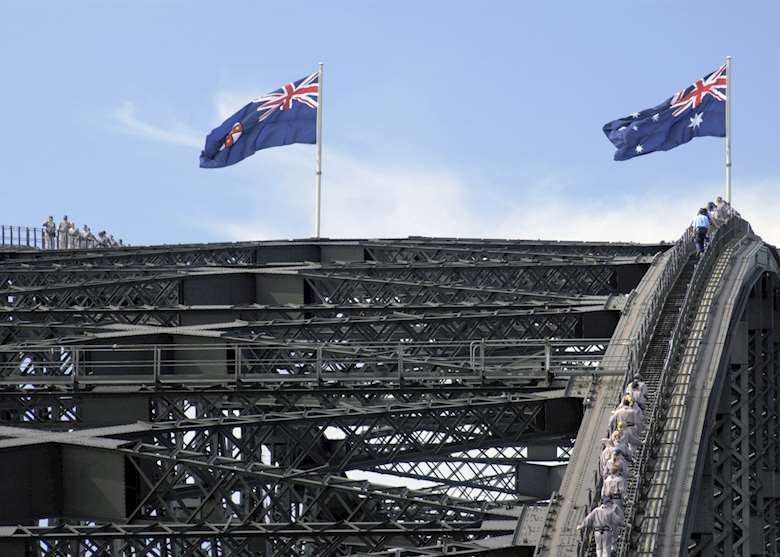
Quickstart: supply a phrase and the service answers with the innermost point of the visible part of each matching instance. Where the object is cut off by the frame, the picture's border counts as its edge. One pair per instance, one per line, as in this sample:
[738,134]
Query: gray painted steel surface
[234,399]
[230,399]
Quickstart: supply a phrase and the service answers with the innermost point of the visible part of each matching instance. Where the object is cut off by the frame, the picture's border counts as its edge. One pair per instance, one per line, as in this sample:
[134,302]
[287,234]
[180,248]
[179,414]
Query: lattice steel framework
[740,514]
[295,398]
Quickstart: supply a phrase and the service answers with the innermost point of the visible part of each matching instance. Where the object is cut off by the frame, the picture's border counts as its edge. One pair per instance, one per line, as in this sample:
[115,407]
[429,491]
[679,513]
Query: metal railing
[21,236]
[735,227]
[36,237]
[522,360]
[679,255]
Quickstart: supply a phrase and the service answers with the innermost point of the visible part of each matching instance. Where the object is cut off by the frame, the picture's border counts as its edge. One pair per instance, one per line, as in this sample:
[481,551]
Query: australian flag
[288,115]
[698,110]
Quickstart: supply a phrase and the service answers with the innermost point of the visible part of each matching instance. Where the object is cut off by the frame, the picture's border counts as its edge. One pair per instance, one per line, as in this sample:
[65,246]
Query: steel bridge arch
[725,490]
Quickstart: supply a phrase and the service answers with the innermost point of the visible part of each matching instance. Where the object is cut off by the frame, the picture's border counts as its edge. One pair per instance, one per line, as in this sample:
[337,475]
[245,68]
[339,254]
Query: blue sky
[441,118]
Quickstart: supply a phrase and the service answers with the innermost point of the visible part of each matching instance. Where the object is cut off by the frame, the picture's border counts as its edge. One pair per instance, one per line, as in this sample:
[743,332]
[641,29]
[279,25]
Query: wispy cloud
[364,198]
[374,198]
[125,116]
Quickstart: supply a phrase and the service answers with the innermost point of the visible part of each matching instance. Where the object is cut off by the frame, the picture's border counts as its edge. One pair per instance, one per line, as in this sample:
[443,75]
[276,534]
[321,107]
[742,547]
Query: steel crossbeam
[245,540]
[420,252]
[461,325]
[250,253]
[278,492]
[466,325]
[178,315]
[343,289]
[455,283]
[348,437]
[233,397]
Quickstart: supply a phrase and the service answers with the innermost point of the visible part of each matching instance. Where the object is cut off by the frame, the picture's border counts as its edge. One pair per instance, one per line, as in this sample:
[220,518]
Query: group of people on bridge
[713,216]
[67,235]
[626,426]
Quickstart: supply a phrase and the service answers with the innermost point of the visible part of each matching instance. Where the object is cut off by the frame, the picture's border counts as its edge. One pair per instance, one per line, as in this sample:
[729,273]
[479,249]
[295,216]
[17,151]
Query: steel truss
[741,510]
[492,325]
[247,389]
[408,250]
[473,282]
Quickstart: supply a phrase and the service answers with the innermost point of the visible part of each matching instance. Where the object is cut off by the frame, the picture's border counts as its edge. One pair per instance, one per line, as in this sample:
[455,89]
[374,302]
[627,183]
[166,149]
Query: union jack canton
[287,115]
[697,110]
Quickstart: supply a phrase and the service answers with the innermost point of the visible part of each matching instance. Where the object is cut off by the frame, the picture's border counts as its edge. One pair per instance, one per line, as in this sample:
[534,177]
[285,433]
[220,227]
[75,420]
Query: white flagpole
[319,159]
[728,130]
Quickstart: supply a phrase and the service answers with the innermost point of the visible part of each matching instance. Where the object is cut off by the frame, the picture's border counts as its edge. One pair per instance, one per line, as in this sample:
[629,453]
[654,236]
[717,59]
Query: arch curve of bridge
[723,493]
[713,487]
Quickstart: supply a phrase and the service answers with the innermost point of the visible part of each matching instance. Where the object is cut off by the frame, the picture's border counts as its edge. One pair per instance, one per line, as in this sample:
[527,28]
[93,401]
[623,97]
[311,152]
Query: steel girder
[399,252]
[178,315]
[583,278]
[407,284]
[66,406]
[245,540]
[339,288]
[203,485]
[466,325]
[260,467]
[250,253]
[193,464]
[462,326]
[740,514]
[482,248]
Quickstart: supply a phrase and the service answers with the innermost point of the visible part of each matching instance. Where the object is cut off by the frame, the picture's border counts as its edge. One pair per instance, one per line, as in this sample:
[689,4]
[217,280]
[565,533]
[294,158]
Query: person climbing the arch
[701,225]
[604,519]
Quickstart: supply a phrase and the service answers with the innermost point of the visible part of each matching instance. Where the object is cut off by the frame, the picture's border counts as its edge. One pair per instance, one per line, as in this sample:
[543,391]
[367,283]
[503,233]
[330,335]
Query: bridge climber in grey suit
[604,519]
[617,459]
[614,485]
[632,420]
[614,442]
[638,391]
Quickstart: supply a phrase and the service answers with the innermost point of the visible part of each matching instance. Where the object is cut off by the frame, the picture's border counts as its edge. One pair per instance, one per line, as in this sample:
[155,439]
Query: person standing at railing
[84,236]
[73,236]
[102,239]
[91,240]
[725,210]
[49,233]
[604,520]
[62,233]
[701,225]
[712,214]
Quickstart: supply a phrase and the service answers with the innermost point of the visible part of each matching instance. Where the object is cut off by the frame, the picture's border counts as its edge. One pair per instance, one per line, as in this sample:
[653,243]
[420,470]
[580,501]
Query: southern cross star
[655,117]
[639,148]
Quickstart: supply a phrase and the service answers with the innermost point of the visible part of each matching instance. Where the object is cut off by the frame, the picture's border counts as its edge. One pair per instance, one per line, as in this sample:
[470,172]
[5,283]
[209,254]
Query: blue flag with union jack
[288,115]
[695,111]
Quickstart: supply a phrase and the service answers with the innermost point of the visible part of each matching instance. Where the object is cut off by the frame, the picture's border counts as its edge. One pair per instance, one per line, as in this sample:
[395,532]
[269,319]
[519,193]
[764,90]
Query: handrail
[548,520]
[721,237]
[298,363]
[679,255]
[22,236]
[12,235]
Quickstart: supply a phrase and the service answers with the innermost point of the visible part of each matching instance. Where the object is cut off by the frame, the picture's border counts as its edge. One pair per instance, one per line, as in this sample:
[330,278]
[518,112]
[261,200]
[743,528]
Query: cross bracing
[402,250]
[298,398]
[476,282]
